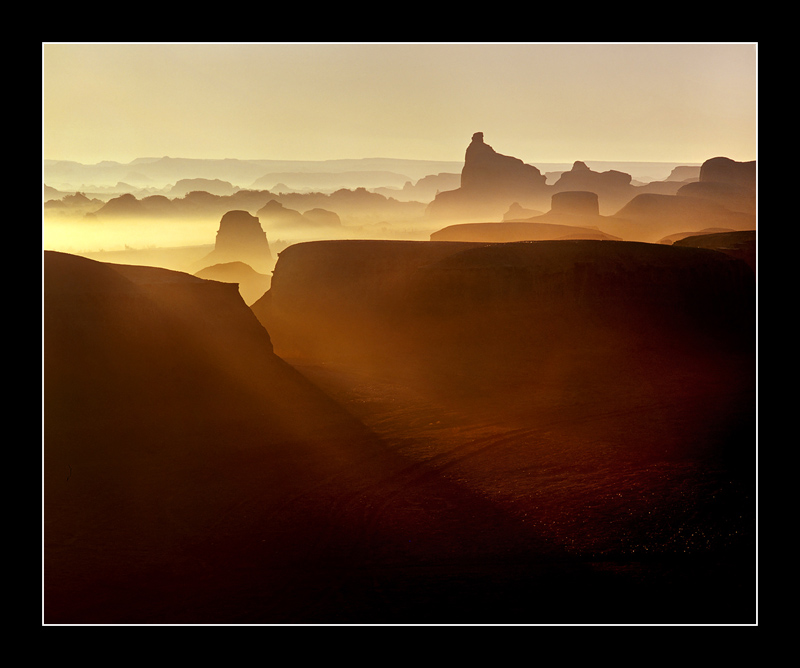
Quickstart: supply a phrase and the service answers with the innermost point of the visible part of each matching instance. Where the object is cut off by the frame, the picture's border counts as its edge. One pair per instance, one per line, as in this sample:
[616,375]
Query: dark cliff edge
[511,302]
[172,436]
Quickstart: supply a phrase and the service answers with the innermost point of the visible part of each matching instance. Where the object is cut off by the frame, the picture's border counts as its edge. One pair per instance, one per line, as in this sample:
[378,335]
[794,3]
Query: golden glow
[539,102]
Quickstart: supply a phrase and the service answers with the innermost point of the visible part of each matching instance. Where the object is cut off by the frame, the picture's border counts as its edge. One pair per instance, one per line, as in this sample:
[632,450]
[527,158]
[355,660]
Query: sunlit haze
[540,102]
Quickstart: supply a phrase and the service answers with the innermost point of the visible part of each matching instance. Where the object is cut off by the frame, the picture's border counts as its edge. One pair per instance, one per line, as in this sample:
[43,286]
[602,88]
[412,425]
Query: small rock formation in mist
[240,238]
[684,173]
[213,186]
[612,188]
[572,215]
[352,207]
[77,200]
[650,217]
[275,215]
[322,217]
[726,182]
[517,212]
[327,182]
[252,285]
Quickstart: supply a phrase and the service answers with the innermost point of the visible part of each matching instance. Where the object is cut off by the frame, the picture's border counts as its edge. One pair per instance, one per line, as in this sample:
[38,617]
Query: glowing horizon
[545,103]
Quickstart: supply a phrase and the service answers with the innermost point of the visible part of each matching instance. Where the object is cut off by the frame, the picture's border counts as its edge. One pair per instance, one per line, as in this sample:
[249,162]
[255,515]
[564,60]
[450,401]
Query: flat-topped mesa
[238,229]
[577,202]
[240,238]
[404,304]
[727,182]
[725,170]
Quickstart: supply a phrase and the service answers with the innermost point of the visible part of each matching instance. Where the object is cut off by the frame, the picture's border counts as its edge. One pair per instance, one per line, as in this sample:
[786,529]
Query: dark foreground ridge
[192,475]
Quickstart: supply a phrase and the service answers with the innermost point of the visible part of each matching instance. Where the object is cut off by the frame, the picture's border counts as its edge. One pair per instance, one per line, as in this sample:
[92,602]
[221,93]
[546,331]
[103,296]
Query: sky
[542,103]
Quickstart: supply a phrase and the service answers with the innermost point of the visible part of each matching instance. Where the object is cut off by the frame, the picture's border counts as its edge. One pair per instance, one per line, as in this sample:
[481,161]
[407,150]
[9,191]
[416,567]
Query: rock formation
[172,439]
[517,212]
[489,171]
[576,203]
[672,238]
[490,183]
[650,217]
[240,238]
[573,215]
[612,188]
[252,285]
[518,231]
[726,182]
[684,173]
[322,218]
[741,244]
[276,216]
[362,299]
[213,186]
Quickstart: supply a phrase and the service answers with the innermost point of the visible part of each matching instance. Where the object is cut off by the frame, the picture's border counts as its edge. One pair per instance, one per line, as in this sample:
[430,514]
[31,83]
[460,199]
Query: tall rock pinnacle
[490,183]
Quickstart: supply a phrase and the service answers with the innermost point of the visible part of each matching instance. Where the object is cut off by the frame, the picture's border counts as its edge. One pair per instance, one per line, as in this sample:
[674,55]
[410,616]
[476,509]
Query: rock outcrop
[650,217]
[612,188]
[486,170]
[575,202]
[173,437]
[573,215]
[394,302]
[490,183]
[518,231]
[240,238]
[276,216]
[214,186]
[725,170]
[684,173]
[725,182]
[252,285]
[322,218]
[517,212]
[736,244]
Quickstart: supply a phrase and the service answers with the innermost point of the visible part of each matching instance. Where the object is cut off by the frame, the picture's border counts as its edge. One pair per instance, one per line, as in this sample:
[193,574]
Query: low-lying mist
[89,235]
[181,243]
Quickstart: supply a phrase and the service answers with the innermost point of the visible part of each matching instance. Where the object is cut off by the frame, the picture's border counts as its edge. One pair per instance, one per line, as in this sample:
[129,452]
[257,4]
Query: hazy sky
[538,102]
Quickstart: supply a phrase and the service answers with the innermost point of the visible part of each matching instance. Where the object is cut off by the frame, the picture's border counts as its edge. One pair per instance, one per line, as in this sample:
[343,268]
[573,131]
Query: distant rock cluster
[497,190]
[495,187]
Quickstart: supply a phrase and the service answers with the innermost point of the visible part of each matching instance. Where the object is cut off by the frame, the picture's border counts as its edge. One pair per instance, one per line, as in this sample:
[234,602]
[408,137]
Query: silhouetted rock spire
[486,170]
[490,183]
